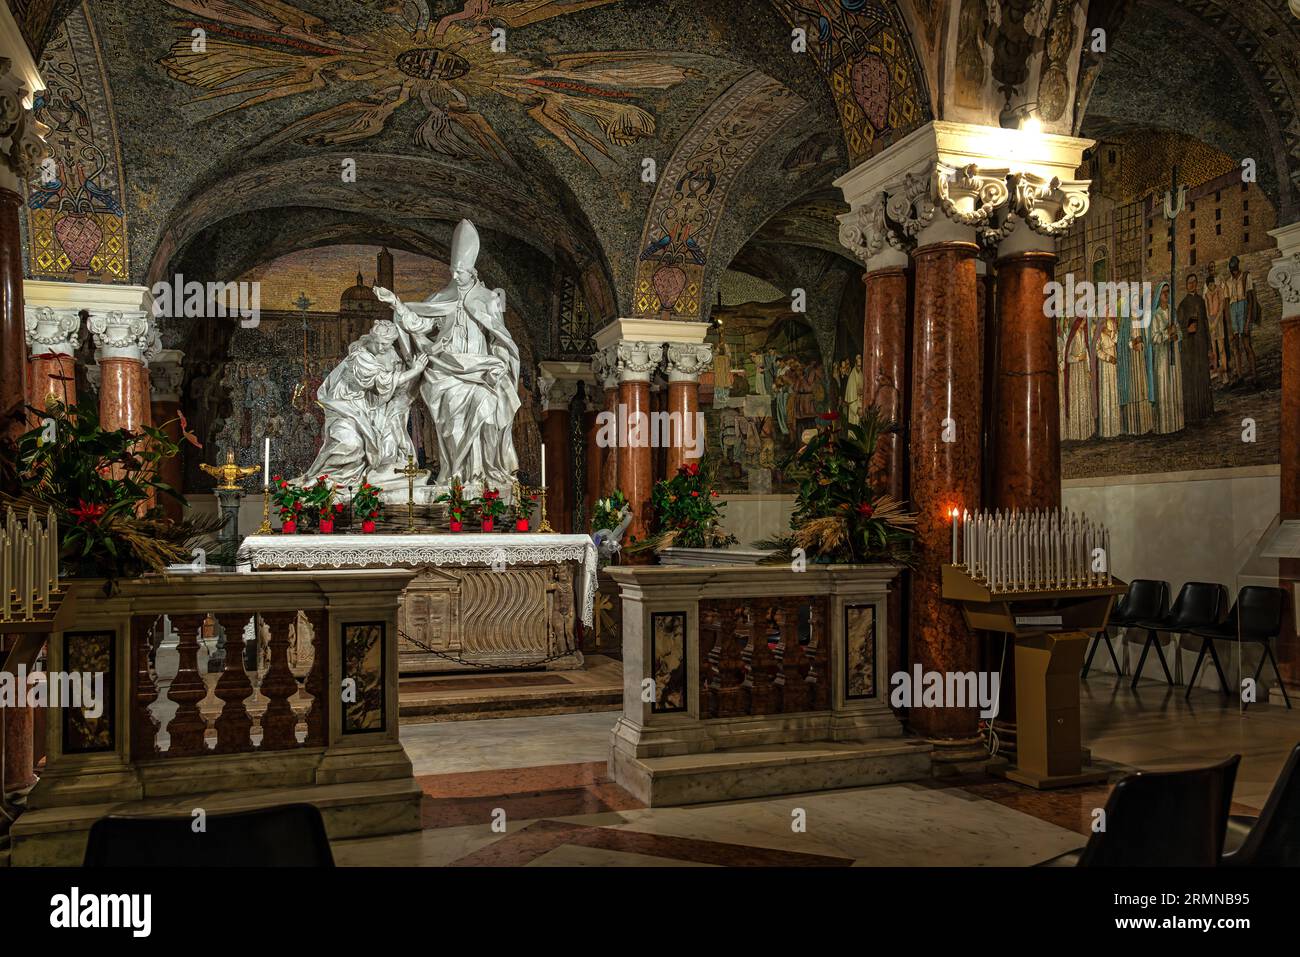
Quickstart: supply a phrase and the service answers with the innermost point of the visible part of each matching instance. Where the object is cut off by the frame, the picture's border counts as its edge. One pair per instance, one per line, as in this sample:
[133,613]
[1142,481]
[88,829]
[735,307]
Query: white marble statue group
[454,353]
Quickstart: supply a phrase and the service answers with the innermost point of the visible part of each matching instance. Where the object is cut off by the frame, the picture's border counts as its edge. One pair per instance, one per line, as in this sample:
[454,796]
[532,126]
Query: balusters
[794,664]
[278,685]
[819,673]
[187,726]
[708,652]
[762,665]
[144,726]
[317,677]
[730,667]
[234,724]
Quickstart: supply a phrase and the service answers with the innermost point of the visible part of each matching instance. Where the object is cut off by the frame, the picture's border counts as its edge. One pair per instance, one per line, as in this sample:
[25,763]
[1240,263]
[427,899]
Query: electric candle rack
[33,600]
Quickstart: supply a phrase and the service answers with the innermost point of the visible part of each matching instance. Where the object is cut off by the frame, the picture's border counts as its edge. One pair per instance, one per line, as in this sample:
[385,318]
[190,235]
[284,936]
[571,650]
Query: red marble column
[13,338]
[595,458]
[683,403]
[945,450]
[51,375]
[685,362]
[121,392]
[1289,439]
[635,462]
[18,751]
[885,385]
[884,368]
[658,451]
[609,456]
[1025,418]
[559,481]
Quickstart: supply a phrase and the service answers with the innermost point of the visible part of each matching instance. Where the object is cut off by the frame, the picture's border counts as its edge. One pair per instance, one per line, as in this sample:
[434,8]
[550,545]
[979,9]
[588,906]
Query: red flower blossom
[693,468]
[865,510]
[338,506]
[829,416]
[88,513]
[695,494]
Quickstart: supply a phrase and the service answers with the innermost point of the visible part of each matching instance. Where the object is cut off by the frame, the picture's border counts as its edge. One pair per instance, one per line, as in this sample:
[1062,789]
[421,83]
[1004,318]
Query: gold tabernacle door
[1051,629]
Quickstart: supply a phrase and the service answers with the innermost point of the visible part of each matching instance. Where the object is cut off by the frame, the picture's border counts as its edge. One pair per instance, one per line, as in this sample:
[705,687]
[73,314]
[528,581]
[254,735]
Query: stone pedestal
[711,712]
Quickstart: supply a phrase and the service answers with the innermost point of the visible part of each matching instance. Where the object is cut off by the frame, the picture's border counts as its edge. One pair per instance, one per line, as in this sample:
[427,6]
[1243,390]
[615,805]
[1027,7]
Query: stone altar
[477,600]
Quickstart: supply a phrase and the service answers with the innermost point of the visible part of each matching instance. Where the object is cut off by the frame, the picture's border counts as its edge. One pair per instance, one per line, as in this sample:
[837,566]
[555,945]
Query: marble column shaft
[1025,422]
[13,337]
[635,462]
[945,453]
[559,480]
[885,369]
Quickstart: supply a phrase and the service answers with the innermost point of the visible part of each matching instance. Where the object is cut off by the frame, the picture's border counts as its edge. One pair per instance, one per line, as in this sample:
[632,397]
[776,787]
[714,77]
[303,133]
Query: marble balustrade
[246,739]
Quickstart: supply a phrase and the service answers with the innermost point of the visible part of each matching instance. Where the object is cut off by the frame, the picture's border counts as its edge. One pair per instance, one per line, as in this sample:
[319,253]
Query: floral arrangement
[287,498]
[367,505]
[489,506]
[458,509]
[521,508]
[104,486]
[320,499]
[685,513]
[838,515]
[608,511]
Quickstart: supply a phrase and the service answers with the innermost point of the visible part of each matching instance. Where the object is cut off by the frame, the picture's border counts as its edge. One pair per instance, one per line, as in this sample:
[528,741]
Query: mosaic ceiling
[644,144]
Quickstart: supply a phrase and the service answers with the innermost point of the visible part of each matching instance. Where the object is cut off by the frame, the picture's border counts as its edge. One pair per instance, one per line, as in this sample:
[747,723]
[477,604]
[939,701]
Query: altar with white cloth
[478,600]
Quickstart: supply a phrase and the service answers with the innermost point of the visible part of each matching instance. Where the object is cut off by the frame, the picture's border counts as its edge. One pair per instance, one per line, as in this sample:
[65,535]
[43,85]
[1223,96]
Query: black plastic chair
[1162,819]
[1145,599]
[292,835]
[1273,838]
[1256,616]
[1199,604]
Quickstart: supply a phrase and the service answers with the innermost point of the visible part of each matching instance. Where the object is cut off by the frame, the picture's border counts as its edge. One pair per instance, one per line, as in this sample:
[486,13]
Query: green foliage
[320,499]
[366,503]
[839,515]
[458,509]
[608,511]
[104,486]
[488,504]
[686,512]
[288,499]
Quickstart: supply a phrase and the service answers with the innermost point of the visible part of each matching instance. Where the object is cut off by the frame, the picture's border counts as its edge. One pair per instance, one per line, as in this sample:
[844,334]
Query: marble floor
[534,791]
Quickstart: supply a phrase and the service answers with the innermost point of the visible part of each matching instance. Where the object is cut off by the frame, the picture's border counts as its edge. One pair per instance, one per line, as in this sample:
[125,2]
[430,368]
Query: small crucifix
[411,470]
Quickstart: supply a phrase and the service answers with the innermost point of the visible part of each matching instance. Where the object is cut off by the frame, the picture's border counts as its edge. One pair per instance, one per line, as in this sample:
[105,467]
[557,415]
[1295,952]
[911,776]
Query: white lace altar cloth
[415,551]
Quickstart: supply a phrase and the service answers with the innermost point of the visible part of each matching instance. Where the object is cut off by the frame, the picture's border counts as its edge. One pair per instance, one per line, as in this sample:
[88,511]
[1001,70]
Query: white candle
[52,523]
[543,466]
[954,536]
[266,464]
[6,547]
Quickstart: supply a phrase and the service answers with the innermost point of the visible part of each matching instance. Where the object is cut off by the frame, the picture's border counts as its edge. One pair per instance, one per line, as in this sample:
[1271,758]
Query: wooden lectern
[1051,629]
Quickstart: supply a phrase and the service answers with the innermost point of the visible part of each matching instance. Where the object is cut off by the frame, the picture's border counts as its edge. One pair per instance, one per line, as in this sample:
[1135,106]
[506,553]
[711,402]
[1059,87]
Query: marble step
[769,770]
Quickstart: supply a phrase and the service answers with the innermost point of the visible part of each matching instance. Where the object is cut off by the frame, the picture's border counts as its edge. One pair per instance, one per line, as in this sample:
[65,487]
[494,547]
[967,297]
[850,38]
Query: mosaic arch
[863,49]
[76,214]
[692,194]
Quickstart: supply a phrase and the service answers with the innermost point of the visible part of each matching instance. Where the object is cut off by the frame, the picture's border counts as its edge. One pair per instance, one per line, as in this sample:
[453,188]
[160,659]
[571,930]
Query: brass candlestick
[265,527]
[410,471]
[543,526]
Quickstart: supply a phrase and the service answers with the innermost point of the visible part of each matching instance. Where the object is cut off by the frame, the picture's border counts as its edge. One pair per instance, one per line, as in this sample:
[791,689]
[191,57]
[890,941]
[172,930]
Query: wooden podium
[1051,630]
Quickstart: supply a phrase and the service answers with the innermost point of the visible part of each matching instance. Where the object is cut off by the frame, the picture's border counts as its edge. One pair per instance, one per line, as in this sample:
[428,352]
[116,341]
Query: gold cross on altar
[411,470]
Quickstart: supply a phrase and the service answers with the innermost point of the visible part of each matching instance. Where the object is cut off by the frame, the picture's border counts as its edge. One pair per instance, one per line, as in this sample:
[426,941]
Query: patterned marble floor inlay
[525,846]
[548,776]
[558,790]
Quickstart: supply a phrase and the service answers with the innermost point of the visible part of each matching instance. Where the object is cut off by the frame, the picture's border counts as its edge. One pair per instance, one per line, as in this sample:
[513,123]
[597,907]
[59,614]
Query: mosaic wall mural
[768,383]
[692,194]
[1189,376]
[76,215]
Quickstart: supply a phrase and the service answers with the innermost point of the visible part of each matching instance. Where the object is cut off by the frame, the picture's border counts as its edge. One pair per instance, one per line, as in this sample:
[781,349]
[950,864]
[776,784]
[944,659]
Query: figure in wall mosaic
[767,385]
[76,216]
[1169,340]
